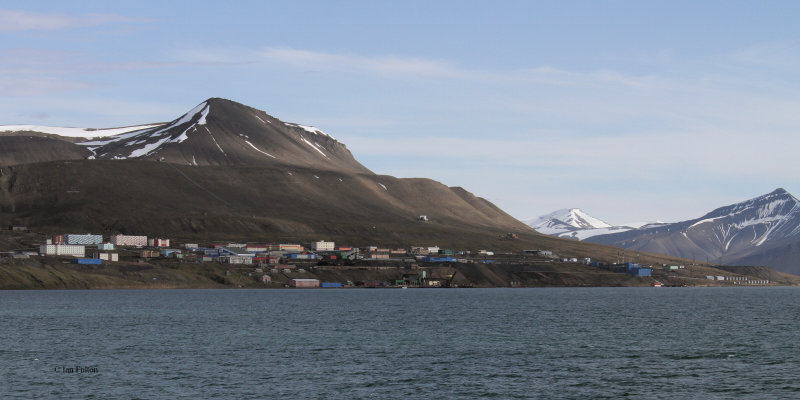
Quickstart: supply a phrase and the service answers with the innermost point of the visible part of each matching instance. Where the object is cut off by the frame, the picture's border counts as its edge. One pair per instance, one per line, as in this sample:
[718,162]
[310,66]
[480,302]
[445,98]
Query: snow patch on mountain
[309,129]
[257,149]
[87,133]
[314,146]
[152,139]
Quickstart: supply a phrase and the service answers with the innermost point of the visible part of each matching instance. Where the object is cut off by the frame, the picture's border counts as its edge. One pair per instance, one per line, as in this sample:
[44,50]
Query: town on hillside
[284,263]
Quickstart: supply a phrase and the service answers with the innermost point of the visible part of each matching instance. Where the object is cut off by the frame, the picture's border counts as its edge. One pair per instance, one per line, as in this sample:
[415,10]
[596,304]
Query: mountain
[761,231]
[224,169]
[573,223]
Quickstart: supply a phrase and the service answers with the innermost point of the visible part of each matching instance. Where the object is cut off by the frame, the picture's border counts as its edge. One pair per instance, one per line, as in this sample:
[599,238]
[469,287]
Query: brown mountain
[228,171]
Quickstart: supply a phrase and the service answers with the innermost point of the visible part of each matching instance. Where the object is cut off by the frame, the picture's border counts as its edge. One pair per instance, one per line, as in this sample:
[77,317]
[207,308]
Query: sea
[504,343]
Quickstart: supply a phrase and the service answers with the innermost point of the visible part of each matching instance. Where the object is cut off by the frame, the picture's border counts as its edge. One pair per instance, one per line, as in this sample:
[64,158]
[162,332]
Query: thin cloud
[38,85]
[14,21]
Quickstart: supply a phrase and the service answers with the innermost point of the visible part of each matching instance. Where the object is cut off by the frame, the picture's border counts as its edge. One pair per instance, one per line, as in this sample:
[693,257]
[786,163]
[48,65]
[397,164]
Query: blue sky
[630,110]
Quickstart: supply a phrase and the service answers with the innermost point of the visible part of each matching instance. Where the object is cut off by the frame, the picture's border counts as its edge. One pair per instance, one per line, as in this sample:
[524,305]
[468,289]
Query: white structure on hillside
[323,246]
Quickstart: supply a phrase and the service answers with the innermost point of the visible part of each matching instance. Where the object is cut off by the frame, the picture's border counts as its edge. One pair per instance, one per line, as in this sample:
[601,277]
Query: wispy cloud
[12,21]
[387,65]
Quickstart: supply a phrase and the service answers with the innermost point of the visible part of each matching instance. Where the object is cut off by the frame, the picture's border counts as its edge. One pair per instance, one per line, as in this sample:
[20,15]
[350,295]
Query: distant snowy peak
[566,219]
[574,223]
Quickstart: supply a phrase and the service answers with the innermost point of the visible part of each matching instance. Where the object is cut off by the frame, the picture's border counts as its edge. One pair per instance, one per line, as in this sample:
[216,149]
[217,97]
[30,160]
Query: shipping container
[330,285]
[87,261]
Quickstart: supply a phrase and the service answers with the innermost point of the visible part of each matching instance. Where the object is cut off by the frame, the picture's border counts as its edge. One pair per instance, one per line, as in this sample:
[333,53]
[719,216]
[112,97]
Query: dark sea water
[670,343]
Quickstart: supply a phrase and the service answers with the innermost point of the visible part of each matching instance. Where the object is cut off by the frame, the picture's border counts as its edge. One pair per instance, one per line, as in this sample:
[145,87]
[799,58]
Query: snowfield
[87,133]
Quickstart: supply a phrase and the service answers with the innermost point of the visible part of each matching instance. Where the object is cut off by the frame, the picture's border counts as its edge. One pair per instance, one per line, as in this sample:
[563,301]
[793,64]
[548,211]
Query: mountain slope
[16,150]
[764,230]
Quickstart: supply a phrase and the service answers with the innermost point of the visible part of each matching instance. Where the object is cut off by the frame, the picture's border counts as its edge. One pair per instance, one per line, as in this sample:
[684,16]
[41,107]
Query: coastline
[60,274]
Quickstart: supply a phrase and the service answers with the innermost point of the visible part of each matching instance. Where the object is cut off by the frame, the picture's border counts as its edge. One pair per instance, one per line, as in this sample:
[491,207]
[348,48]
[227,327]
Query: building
[105,246]
[169,252]
[288,248]
[73,250]
[83,239]
[540,253]
[149,254]
[304,283]
[237,259]
[158,242]
[303,256]
[106,256]
[126,240]
[323,246]
[256,248]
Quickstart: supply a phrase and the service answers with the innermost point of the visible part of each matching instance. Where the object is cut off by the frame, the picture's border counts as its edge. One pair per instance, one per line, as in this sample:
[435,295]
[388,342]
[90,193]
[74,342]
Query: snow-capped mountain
[573,223]
[215,132]
[764,230]
[226,170]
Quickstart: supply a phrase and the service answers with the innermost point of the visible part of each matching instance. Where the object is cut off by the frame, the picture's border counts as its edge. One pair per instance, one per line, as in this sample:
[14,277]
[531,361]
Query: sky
[630,110]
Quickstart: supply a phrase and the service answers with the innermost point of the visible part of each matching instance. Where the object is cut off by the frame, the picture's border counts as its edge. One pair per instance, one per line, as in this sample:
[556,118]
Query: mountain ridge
[763,230]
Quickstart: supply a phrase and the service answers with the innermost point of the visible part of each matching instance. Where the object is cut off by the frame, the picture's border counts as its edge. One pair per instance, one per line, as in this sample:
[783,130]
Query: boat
[658,284]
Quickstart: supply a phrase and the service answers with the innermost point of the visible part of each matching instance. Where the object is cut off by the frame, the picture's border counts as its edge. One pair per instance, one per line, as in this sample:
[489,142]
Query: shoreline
[56,274]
